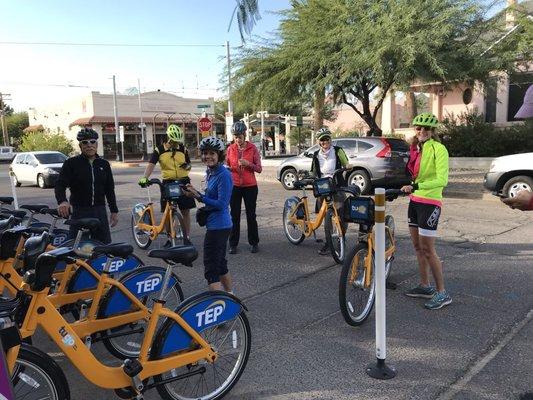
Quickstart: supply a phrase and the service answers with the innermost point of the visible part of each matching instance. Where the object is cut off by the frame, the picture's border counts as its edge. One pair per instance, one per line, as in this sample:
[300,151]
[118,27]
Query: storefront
[133,146]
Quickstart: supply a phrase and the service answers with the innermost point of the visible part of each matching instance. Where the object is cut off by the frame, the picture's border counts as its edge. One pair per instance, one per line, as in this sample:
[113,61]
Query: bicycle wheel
[37,376]
[390,226]
[293,231]
[207,381]
[127,343]
[335,237]
[177,220]
[356,300]
[140,236]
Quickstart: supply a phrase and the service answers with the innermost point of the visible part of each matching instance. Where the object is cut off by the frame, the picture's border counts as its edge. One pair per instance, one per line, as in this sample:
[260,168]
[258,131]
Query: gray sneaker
[439,300]
[425,292]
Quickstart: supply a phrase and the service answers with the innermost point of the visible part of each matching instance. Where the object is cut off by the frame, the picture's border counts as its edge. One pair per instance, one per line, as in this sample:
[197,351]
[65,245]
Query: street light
[262,115]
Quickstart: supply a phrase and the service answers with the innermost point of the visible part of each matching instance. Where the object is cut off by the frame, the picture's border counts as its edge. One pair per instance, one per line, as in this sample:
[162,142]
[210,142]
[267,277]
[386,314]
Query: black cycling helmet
[239,128]
[87,134]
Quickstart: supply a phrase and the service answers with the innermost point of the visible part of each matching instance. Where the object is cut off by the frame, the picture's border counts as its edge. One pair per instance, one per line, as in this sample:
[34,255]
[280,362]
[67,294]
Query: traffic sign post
[205,124]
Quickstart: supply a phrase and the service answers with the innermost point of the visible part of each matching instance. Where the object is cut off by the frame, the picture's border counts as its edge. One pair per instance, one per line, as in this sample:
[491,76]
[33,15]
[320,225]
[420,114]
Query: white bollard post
[13,191]
[380,370]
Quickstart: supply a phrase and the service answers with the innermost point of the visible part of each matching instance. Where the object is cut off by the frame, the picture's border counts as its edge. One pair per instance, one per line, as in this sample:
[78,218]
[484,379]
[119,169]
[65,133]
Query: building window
[518,85]
[467,96]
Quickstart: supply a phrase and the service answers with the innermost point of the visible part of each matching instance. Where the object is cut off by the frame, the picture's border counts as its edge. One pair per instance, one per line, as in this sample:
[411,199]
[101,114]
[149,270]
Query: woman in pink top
[244,161]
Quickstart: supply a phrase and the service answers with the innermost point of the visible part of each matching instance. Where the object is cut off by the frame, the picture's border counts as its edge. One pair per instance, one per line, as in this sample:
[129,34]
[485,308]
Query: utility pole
[115,109]
[229,114]
[3,97]
[230,105]
[141,125]
[262,115]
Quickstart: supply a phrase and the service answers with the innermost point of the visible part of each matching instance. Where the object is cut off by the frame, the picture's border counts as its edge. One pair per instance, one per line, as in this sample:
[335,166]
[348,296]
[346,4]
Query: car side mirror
[308,155]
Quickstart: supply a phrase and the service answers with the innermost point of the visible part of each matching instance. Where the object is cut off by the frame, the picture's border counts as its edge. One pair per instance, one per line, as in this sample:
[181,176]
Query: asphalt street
[479,347]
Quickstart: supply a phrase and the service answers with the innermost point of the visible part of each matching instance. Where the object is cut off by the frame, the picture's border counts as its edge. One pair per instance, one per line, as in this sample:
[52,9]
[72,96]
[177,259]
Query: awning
[177,119]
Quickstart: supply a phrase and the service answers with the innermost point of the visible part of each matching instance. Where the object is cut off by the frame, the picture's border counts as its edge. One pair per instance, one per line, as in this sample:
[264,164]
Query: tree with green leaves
[15,125]
[45,140]
[354,52]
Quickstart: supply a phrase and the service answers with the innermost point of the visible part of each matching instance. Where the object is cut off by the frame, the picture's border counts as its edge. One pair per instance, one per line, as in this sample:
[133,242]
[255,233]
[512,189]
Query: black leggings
[215,263]
[249,194]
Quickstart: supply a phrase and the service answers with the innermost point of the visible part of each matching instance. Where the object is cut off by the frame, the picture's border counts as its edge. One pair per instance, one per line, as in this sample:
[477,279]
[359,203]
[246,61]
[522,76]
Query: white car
[37,168]
[508,175]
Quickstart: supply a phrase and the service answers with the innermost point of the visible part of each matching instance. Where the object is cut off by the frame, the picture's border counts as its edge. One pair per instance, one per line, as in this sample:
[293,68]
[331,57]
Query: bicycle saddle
[83,223]
[6,200]
[353,190]
[15,213]
[50,211]
[7,223]
[183,254]
[33,248]
[121,250]
[34,207]
[44,268]
[303,183]
[8,243]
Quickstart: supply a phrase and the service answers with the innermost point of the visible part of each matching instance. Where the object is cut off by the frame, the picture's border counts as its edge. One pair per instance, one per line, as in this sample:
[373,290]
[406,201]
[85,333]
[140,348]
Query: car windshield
[50,158]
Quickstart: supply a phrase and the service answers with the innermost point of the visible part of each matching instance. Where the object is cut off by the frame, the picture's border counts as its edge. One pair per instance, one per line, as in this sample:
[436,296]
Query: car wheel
[16,181]
[516,184]
[288,177]
[40,181]
[361,179]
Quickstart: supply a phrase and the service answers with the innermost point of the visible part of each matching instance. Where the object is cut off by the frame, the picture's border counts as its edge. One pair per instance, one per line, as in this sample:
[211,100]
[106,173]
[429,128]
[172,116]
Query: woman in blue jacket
[216,198]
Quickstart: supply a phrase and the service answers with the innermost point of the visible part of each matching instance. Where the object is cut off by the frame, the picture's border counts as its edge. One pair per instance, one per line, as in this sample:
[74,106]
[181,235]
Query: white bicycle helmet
[212,143]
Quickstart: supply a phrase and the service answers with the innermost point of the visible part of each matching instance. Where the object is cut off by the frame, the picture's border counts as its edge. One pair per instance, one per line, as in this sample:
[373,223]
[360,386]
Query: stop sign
[205,124]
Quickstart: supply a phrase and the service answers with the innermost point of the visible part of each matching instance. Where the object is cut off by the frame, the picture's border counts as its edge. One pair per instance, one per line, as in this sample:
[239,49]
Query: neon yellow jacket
[433,173]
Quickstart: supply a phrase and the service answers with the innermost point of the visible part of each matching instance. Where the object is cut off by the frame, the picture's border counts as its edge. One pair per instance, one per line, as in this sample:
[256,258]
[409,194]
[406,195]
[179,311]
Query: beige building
[95,110]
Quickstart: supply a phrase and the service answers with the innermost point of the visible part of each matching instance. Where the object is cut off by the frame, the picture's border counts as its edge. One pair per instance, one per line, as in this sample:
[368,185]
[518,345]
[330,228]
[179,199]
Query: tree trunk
[318,108]
[410,105]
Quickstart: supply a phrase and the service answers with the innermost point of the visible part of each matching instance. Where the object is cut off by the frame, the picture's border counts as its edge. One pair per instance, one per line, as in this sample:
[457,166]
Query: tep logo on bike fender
[149,284]
[211,313]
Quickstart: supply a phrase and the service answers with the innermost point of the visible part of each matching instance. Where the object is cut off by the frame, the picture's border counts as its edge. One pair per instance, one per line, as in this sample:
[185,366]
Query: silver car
[376,161]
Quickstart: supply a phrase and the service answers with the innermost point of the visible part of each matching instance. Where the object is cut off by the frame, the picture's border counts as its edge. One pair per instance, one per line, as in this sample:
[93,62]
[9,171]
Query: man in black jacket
[90,181]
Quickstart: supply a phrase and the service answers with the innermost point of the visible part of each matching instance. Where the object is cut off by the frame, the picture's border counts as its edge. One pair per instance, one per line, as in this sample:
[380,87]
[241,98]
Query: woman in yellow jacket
[428,165]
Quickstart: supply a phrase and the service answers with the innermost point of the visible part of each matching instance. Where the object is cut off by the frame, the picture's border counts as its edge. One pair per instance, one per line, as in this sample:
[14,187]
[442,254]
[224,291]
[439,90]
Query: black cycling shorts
[425,217]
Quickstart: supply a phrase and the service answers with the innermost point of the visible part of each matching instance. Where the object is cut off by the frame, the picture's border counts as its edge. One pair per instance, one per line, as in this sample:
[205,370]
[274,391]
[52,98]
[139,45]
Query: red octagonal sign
[205,124]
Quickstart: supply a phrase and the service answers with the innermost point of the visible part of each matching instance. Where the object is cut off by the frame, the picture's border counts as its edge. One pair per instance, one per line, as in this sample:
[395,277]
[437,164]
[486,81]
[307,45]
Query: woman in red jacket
[244,161]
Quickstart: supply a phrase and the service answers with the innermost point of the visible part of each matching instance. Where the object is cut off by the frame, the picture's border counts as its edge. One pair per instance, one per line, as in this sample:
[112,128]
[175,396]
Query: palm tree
[247,15]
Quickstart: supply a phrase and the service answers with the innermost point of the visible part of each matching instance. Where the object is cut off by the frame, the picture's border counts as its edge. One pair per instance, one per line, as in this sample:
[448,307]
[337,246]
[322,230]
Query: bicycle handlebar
[393,194]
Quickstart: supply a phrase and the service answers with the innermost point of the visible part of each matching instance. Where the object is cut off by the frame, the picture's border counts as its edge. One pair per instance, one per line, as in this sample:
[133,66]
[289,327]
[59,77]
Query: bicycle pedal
[131,367]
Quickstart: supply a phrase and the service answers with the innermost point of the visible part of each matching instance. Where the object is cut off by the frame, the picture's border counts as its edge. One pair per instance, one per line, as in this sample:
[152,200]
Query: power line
[112,44]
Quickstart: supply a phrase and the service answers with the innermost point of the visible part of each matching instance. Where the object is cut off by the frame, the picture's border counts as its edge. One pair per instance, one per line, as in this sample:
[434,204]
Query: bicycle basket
[173,190]
[359,210]
[323,187]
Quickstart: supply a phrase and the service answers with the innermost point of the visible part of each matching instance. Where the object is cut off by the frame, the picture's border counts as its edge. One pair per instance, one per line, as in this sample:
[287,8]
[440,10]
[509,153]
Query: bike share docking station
[380,370]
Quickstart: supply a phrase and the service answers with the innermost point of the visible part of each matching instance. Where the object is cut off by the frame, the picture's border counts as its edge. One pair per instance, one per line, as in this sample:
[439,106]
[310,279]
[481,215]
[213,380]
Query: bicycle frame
[41,312]
[156,230]
[310,225]
[370,239]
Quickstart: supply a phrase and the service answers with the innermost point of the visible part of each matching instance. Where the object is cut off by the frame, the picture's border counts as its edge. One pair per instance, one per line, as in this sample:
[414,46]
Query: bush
[468,135]
[40,140]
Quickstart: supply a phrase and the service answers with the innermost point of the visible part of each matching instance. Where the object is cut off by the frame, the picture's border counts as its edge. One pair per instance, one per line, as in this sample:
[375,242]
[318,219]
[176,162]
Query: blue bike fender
[202,311]
[59,236]
[140,283]
[84,280]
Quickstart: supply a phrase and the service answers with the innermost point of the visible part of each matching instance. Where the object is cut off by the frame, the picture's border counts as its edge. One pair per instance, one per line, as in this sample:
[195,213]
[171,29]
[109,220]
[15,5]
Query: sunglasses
[91,141]
[419,128]
[324,140]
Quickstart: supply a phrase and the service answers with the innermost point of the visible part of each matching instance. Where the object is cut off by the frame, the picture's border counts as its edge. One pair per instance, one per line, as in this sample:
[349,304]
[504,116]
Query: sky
[36,75]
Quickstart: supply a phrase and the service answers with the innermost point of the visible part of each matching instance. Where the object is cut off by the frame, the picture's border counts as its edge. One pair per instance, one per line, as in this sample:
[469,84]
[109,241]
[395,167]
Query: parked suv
[376,161]
[510,174]
[37,167]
